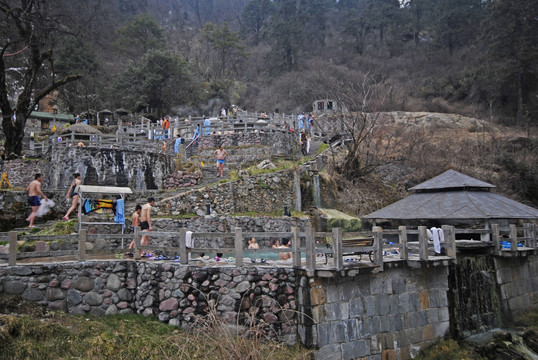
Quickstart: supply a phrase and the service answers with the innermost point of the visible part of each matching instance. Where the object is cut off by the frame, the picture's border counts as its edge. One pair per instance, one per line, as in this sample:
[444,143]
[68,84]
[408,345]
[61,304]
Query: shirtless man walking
[221,154]
[34,191]
[145,220]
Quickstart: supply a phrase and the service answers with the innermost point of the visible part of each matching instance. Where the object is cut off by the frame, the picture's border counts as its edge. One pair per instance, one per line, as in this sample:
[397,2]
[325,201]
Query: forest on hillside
[180,57]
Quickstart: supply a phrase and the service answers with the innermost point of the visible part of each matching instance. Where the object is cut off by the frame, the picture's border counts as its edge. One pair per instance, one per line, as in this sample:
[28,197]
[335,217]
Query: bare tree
[366,134]
[29,27]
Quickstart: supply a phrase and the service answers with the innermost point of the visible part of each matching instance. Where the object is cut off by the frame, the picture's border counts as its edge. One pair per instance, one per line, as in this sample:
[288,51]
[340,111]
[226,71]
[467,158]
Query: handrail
[341,245]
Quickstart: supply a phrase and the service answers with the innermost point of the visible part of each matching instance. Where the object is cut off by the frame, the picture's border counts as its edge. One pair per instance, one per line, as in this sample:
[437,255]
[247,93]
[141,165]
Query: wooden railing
[307,245]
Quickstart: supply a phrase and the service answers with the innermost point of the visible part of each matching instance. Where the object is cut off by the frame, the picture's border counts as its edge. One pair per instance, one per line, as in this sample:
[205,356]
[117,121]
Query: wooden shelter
[452,198]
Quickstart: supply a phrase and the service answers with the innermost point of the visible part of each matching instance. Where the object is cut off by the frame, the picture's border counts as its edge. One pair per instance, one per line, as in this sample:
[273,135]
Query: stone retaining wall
[388,315]
[518,282]
[21,172]
[261,194]
[174,293]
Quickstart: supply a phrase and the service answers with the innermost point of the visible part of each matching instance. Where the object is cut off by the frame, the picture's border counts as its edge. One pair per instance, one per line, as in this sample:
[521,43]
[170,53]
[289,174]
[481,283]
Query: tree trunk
[14,132]
[519,116]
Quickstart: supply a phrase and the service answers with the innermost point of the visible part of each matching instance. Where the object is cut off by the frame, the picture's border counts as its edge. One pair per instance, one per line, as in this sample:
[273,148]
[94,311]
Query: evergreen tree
[510,33]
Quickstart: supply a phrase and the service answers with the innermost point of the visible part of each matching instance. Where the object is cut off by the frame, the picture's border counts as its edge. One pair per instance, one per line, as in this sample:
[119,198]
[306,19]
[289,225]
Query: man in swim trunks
[221,154]
[135,221]
[34,192]
[145,220]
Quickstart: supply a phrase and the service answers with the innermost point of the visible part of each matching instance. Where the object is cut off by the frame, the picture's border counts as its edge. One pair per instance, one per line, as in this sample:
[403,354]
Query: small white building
[324,106]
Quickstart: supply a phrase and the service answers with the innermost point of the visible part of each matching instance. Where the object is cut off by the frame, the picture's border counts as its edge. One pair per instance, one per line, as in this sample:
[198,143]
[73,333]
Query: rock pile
[182,179]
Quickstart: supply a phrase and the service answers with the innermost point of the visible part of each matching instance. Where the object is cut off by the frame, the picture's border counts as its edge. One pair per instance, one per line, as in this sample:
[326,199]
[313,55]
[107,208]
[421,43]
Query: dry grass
[34,333]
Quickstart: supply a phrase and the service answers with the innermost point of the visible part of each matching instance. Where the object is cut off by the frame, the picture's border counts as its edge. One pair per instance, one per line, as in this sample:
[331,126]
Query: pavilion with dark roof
[452,198]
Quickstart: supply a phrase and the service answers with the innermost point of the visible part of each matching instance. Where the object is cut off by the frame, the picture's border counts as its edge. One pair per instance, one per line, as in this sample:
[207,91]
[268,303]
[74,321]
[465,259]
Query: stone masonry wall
[262,194]
[174,293]
[389,315]
[518,282]
[138,170]
[21,172]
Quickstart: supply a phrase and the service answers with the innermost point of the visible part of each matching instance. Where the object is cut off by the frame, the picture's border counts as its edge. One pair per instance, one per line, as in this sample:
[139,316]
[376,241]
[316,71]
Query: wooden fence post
[513,237]
[423,242]
[403,242]
[82,236]
[450,237]
[13,245]
[338,252]
[137,236]
[295,244]
[378,243]
[495,234]
[238,246]
[183,254]
[310,250]
[530,234]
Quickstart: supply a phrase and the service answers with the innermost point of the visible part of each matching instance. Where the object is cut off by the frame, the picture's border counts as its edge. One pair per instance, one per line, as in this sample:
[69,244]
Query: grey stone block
[444,314]
[344,310]
[356,308]
[394,303]
[93,299]
[403,340]
[384,323]
[323,331]
[370,305]
[13,287]
[334,293]
[383,306]
[398,322]
[504,275]
[433,315]
[405,304]
[332,311]
[364,285]
[73,297]
[414,300]
[441,329]
[337,332]
[20,270]
[366,327]
[352,330]
[414,335]
[376,285]
[422,317]
[376,323]
[53,294]
[125,295]
[329,352]
[349,291]
[33,295]
[355,349]
[398,286]
[113,282]
[112,310]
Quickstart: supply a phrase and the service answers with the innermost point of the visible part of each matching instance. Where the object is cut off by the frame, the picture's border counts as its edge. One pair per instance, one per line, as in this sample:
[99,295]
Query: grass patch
[448,350]
[57,335]
[59,228]
[527,319]
[280,166]
[322,148]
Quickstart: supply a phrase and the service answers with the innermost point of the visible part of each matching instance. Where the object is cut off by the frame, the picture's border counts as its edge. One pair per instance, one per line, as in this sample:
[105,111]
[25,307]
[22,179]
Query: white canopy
[104,189]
